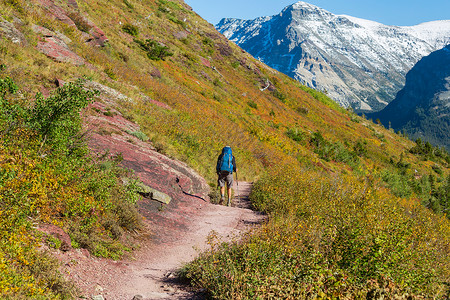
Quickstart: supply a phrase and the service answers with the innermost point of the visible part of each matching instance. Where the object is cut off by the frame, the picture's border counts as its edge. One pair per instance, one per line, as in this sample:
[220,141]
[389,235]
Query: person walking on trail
[226,165]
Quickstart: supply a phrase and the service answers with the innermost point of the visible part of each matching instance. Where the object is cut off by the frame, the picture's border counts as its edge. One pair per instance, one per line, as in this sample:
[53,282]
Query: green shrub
[336,151]
[170,4]
[279,95]
[110,73]
[140,135]
[360,148]
[176,21]
[252,104]
[398,183]
[131,29]
[128,4]
[80,22]
[57,118]
[154,50]
[235,64]
[16,4]
[10,113]
[295,134]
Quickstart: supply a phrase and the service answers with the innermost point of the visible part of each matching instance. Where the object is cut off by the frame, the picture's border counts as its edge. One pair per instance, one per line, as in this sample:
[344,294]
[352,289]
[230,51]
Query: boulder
[9,31]
[180,35]
[156,73]
[205,62]
[153,194]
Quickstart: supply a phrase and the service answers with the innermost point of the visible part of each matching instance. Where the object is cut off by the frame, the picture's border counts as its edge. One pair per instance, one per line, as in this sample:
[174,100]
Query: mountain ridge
[422,108]
[359,63]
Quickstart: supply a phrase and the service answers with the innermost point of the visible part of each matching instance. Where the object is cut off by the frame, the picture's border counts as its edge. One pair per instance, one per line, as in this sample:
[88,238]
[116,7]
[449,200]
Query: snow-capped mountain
[422,107]
[359,63]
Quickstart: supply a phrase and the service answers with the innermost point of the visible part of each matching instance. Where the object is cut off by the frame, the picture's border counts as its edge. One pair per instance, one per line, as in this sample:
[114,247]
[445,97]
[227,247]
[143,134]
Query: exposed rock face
[95,35]
[422,107]
[166,180]
[55,44]
[9,31]
[359,63]
[57,12]
[54,47]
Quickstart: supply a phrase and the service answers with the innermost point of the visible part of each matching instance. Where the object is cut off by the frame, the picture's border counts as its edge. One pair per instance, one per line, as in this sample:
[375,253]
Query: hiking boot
[229,202]
[221,200]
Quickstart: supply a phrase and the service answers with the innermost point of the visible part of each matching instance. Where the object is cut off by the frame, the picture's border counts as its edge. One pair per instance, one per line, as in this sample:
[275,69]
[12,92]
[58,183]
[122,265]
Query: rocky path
[177,230]
[150,273]
[152,276]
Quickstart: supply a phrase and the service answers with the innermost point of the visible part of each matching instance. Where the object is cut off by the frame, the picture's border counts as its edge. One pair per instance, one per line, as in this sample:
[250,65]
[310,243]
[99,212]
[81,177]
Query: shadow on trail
[186,193]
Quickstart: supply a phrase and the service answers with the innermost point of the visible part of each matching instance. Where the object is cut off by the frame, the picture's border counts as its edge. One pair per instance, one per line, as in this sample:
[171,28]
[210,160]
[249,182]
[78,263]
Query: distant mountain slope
[422,107]
[360,63]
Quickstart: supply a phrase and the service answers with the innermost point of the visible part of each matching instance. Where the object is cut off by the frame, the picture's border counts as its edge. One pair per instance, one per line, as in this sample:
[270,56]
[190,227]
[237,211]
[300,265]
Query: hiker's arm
[234,164]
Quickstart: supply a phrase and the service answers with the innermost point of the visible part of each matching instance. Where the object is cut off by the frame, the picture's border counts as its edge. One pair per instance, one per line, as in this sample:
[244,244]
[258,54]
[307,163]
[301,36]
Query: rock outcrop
[171,190]
[9,31]
[56,45]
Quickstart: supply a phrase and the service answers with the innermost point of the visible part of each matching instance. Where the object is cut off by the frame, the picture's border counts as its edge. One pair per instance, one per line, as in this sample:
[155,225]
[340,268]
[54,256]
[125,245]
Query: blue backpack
[226,161]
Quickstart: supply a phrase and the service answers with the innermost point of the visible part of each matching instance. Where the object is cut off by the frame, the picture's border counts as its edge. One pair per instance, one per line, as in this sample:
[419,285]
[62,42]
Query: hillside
[421,108]
[359,63]
[350,205]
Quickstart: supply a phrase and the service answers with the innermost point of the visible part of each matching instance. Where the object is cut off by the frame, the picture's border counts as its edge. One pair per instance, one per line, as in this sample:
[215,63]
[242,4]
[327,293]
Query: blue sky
[389,12]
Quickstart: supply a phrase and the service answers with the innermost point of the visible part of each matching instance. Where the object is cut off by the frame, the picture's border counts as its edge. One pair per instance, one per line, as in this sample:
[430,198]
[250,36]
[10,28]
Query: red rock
[72,3]
[99,37]
[55,48]
[205,62]
[59,13]
[58,233]
[59,82]
[188,190]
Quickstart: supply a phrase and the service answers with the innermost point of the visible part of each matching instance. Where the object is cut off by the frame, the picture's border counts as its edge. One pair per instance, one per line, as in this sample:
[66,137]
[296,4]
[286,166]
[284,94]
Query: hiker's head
[226,149]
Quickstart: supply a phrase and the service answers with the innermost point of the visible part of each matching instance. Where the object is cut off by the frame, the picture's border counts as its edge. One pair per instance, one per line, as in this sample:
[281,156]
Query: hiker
[226,165]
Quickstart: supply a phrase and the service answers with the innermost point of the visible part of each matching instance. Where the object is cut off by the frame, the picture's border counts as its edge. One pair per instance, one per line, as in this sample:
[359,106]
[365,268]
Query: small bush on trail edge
[57,117]
[154,50]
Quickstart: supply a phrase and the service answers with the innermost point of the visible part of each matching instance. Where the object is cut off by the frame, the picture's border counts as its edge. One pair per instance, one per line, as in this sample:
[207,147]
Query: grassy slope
[213,107]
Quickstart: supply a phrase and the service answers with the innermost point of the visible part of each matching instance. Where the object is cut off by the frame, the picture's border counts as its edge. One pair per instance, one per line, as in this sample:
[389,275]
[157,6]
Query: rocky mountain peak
[359,63]
[306,8]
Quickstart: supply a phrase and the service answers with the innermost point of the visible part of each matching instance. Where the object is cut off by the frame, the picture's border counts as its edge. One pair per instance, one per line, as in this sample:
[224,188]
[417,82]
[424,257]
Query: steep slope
[359,63]
[422,107]
[351,208]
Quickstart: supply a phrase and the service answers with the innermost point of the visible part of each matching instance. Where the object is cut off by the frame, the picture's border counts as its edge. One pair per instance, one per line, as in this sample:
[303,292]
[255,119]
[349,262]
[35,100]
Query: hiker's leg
[222,194]
[229,185]
[221,183]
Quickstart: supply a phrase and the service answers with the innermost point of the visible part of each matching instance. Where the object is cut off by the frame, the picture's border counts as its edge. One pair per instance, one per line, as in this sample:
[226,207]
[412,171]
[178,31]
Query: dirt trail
[150,273]
[177,230]
[150,276]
